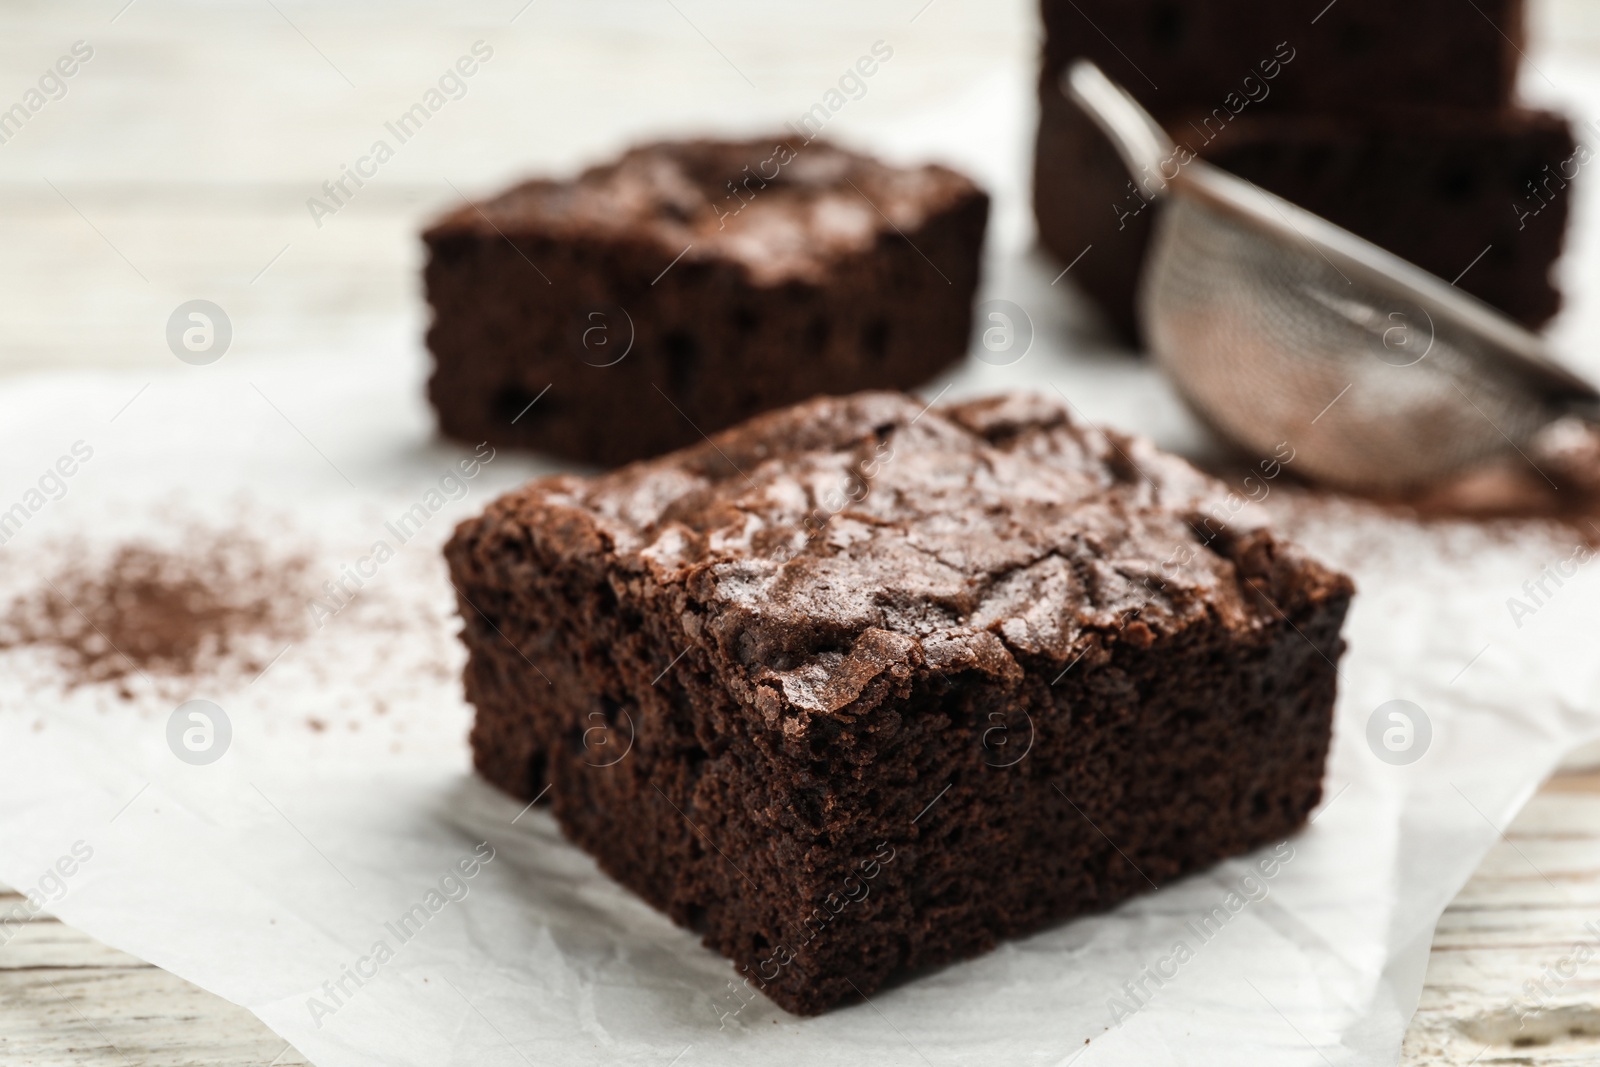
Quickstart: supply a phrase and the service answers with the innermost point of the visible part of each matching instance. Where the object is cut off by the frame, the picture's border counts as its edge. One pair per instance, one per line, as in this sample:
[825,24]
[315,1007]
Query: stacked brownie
[1397,122]
[861,687]
[689,285]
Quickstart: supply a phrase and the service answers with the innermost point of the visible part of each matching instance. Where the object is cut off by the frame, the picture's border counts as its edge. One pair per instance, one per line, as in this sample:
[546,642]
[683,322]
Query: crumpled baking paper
[341,873]
[351,883]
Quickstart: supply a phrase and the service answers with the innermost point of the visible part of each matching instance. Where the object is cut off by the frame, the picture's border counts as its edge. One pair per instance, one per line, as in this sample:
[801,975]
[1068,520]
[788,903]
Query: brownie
[1295,55]
[858,688]
[690,285]
[1440,188]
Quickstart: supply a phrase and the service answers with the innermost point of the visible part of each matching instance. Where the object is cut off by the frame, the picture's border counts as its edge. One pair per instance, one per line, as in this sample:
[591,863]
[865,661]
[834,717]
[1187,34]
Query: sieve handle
[1141,142]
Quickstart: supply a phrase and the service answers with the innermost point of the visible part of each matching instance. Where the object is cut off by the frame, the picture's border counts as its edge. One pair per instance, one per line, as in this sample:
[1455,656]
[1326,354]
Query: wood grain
[1517,922]
[66,999]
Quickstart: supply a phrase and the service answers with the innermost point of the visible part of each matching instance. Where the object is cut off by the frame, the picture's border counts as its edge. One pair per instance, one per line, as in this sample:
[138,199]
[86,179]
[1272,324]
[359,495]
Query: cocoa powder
[221,604]
[1511,499]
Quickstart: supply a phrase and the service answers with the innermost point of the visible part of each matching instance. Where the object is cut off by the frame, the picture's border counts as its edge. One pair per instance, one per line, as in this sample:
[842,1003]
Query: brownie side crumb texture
[1369,55]
[861,688]
[690,285]
[1444,189]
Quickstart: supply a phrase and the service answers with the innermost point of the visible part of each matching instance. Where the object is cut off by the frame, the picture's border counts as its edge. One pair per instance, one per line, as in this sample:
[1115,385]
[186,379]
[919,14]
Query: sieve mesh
[1279,328]
[1270,342]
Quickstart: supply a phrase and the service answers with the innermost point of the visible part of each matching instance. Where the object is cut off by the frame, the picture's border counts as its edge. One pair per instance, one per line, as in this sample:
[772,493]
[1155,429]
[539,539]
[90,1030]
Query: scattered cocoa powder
[222,603]
[1553,493]
[1509,498]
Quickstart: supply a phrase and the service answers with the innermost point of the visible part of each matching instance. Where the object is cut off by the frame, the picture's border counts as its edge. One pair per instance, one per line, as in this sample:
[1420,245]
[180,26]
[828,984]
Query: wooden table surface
[66,999]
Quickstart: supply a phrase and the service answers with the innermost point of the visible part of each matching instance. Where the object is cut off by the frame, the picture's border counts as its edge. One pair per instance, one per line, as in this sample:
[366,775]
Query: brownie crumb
[221,604]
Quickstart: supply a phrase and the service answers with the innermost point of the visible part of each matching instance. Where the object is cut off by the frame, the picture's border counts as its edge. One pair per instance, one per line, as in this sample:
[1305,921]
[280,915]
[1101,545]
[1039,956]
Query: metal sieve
[1278,326]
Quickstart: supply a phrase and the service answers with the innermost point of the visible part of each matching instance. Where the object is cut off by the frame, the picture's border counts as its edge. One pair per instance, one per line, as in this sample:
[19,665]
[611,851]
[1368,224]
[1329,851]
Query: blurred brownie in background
[690,285]
[1397,122]
[1477,196]
[1351,54]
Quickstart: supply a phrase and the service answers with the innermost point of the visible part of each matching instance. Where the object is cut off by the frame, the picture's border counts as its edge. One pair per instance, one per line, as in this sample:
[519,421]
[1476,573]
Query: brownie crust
[690,285]
[860,688]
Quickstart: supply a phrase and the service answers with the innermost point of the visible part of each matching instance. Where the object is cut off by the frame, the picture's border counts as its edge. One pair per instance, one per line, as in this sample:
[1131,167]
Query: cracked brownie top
[781,208]
[818,547]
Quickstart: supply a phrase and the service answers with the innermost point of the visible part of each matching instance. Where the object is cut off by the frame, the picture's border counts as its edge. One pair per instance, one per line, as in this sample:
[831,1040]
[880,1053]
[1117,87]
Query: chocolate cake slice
[690,285]
[1294,55]
[860,687]
[1482,197]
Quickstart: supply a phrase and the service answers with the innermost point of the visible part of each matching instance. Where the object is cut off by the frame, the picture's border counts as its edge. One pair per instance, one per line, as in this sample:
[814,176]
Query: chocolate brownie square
[859,687]
[690,285]
[1444,189]
[1294,55]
